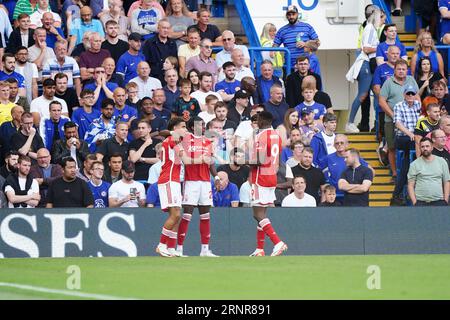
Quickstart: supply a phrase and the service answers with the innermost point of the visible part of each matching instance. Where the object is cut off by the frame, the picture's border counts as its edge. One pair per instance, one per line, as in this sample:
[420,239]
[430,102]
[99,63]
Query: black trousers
[439,203]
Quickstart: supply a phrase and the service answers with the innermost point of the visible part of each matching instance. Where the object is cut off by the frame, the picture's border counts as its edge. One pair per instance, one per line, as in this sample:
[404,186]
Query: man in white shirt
[43,7]
[206,82]
[39,106]
[299,198]
[229,44]
[127,192]
[146,84]
[39,53]
[237,57]
[21,189]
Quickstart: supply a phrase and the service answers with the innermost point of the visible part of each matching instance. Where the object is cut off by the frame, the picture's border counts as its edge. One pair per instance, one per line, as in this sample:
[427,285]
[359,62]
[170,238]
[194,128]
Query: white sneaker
[208,254]
[163,251]
[258,253]
[279,248]
[351,128]
[176,253]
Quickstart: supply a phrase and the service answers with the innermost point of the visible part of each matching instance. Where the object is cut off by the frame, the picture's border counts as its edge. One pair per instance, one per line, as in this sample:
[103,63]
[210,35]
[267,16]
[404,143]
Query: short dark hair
[425,139]
[107,102]
[60,75]
[204,74]
[21,48]
[70,124]
[228,64]
[85,92]
[115,155]
[329,117]
[12,80]
[65,160]
[174,122]
[11,153]
[184,82]
[7,55]
[298,176]
[54,102]
[302,58]
[48,83]
[266,117]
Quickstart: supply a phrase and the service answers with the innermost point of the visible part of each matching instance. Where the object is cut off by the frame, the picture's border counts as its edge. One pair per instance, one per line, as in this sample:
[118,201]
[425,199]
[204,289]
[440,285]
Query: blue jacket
[259,92]
[319,147]
[47,131]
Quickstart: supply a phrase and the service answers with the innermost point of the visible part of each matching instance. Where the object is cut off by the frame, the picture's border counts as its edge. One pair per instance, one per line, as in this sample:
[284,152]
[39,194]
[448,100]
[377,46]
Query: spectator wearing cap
[113,42]
[127,192]
[128,62]
[228,86]
[241,111]
[224,192]
[309,92]
[39,106]
[406,115]
[207,30]
[229,44]
[69,190]
[295,34]
[158,48]
[310,126]
[265,81]
[276,105]
[322,142]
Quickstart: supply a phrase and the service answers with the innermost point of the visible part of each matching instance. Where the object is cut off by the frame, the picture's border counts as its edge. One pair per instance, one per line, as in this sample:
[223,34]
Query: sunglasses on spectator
[227,39]
[410,94]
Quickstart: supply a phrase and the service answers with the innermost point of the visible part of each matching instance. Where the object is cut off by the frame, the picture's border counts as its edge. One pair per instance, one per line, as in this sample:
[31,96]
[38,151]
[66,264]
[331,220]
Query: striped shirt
[288,34]
[24,6]
[407,115]
[99,130]
[70,68]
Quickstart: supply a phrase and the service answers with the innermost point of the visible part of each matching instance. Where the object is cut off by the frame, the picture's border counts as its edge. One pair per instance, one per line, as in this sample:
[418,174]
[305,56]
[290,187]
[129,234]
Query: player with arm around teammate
[198,162]
[264,166]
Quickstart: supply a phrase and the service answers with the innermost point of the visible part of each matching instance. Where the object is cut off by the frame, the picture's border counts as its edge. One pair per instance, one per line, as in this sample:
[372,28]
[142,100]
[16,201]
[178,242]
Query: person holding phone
[127,192]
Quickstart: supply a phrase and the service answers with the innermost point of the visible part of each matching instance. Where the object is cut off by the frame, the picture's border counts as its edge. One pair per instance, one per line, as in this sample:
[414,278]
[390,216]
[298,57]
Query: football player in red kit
[197,184]
[264,163]
[169,187]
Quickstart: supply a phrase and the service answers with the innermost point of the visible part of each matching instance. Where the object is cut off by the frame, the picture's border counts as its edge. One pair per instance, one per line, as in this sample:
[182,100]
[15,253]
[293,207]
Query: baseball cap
[292,8]
[241,94]
[306,110]
[410,89]
[128,166]
[135,36]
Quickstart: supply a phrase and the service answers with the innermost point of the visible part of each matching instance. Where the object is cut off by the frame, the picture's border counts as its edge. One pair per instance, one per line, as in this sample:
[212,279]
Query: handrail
[252,50]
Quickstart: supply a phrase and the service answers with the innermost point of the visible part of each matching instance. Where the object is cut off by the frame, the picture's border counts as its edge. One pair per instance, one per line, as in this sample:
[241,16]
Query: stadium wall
[307,231]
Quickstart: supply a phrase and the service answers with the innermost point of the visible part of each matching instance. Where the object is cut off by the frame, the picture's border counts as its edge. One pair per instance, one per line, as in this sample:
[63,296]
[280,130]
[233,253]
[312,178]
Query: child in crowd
[310,50]
[132,95]
[308,93]
[330,197]
[186,106]
[170,63]
[209,114]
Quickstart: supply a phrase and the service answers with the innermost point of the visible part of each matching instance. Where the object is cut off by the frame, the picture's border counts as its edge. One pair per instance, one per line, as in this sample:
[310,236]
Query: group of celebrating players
[195,152]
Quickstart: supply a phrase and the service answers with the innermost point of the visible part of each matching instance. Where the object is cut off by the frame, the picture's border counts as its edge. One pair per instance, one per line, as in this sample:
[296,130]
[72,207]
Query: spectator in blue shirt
[308,93]
[295,34]
[99,187]
[53,34]
[228,87]
[265,81]
[153,196]
[225,193]
[322,142]
[128,62]
[85,115]
[276,105]
[390,31]
[82,25]
[106,87]
[9,65]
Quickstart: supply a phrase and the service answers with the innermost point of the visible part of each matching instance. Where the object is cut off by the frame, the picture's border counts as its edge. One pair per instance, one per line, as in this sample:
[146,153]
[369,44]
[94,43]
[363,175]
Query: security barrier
[307,231]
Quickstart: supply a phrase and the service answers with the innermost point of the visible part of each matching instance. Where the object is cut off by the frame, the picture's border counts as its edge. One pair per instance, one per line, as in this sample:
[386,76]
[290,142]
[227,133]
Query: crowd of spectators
[86,92]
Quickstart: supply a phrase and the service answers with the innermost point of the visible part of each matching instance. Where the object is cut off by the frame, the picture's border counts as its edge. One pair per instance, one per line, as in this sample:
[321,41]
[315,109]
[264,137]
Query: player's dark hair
[174,122]
[265,118]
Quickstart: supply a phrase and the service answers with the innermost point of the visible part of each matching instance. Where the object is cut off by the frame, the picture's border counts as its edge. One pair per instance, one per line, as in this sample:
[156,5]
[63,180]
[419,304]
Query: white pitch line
[63,292]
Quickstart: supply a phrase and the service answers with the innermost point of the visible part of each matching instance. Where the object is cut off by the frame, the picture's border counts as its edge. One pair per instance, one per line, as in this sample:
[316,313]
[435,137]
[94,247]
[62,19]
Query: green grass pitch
[285,277]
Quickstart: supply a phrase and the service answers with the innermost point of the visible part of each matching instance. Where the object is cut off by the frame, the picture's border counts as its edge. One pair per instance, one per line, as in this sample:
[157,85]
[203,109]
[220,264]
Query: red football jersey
[267,147]
[171,162]
[195,147]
